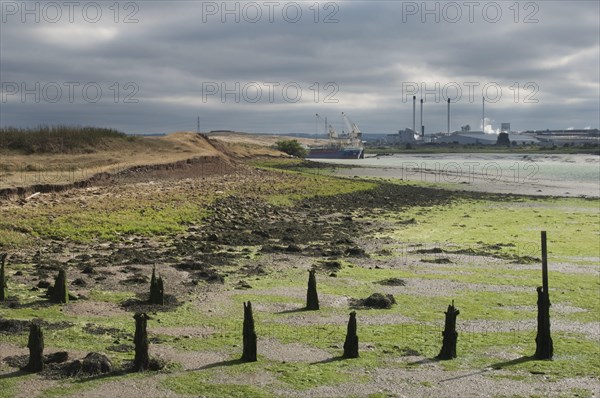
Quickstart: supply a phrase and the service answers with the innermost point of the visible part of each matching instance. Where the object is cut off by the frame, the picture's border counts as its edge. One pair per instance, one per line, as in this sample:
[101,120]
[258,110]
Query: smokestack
[483,115]
[448,116]
[414,110]
[422,127]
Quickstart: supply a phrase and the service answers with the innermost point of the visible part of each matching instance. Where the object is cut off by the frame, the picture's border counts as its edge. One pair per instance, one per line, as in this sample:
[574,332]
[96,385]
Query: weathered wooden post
[35,344]
[544,348]
[312,298]
[60,292]
[161,291]
[249,335]
[156,289]
[351,342]
[2,277]
[450,336]
[142,358]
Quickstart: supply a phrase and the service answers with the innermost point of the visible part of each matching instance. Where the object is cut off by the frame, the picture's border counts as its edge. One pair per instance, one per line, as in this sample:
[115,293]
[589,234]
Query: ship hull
[336,153]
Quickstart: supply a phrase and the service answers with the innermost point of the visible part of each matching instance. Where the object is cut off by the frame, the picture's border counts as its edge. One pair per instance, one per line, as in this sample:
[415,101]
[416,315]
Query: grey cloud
[369,53]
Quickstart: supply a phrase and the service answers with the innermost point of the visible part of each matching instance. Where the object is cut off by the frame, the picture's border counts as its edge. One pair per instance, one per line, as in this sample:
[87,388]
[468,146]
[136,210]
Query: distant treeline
[57,139]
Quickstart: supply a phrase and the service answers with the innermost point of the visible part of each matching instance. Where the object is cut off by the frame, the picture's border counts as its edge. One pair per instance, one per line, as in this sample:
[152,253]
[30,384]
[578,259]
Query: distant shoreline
[571,175]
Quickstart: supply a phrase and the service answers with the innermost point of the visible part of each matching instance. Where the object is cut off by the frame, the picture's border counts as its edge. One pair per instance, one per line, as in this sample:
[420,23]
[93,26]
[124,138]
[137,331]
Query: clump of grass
[56,139]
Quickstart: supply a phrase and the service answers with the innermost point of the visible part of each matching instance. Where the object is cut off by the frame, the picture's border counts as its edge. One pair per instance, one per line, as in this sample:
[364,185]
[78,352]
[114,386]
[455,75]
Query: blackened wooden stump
[157,290]
[60,292]
[161,291]
[351,343]
[450,336]
[544,347]
[249,335]
[35,344]
[142,359]
[2,277]
[312,298]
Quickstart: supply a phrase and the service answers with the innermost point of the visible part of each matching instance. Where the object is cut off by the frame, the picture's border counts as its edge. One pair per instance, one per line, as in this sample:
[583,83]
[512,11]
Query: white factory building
[481,138]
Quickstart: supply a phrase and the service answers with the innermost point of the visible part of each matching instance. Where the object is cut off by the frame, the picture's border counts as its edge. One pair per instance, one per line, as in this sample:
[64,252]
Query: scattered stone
[393,282]
[209,276]
[241,285]
[331,265]
[13,326]
[79,282]
[120,348]
[376,300]
[293,249]
[57,357]
[43,284]
[93,364]
[250,270]
[355,251]
[88,269]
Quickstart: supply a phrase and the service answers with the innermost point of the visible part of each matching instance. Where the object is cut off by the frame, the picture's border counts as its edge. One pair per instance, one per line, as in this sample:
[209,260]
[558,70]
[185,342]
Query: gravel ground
[342,234]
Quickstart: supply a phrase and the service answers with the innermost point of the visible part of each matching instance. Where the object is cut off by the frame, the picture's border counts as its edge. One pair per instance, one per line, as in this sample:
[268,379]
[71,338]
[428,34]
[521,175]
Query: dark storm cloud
[374,49]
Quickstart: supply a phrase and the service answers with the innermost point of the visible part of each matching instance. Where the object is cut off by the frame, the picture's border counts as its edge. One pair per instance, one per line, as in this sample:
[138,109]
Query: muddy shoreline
[243,240]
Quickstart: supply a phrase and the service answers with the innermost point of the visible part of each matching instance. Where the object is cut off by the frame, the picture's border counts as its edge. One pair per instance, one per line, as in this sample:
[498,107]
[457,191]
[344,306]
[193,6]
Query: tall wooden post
[249,335]
[351,342]
[544,263]
[142,358]
[157,289]
[2,277]
[312,298]
[543,340]
[450,335]
[60,293]
[35,344]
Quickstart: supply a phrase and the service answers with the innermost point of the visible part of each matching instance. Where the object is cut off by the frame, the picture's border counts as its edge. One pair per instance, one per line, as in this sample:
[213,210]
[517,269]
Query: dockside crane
[353,129]
[329,130]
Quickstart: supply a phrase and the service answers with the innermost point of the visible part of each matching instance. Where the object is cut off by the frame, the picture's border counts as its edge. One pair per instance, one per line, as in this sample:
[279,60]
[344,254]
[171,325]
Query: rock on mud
[376,300]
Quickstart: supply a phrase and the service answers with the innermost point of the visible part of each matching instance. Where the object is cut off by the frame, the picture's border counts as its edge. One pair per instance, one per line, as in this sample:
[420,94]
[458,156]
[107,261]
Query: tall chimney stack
[448,116]
[422,127]
[414,111]
[483,115]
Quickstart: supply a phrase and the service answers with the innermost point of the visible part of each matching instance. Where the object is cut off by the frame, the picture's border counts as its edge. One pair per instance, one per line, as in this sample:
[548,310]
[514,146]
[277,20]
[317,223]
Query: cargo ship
[344,146]
[336,152]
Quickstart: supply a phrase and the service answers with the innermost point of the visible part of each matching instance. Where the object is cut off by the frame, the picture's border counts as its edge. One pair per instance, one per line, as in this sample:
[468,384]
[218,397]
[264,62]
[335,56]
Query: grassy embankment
[63,155]
[476,284]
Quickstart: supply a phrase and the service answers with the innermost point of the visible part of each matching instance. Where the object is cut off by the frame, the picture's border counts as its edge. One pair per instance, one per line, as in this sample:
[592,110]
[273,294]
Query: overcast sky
[270,66]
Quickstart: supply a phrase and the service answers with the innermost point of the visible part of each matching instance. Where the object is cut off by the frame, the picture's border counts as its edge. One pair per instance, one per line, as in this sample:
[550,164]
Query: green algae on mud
[489,284]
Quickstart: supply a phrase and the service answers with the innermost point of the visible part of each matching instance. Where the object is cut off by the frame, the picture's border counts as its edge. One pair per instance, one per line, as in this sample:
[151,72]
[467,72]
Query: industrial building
[481,138]
[406,136]
[570,137]
[468,138]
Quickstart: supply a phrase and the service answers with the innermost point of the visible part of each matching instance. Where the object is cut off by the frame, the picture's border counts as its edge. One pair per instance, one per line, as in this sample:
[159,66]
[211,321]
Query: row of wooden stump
[59,293]
[249,352]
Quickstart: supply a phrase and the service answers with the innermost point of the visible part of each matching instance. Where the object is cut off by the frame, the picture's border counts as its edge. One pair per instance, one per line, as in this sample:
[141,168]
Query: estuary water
[529,174]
